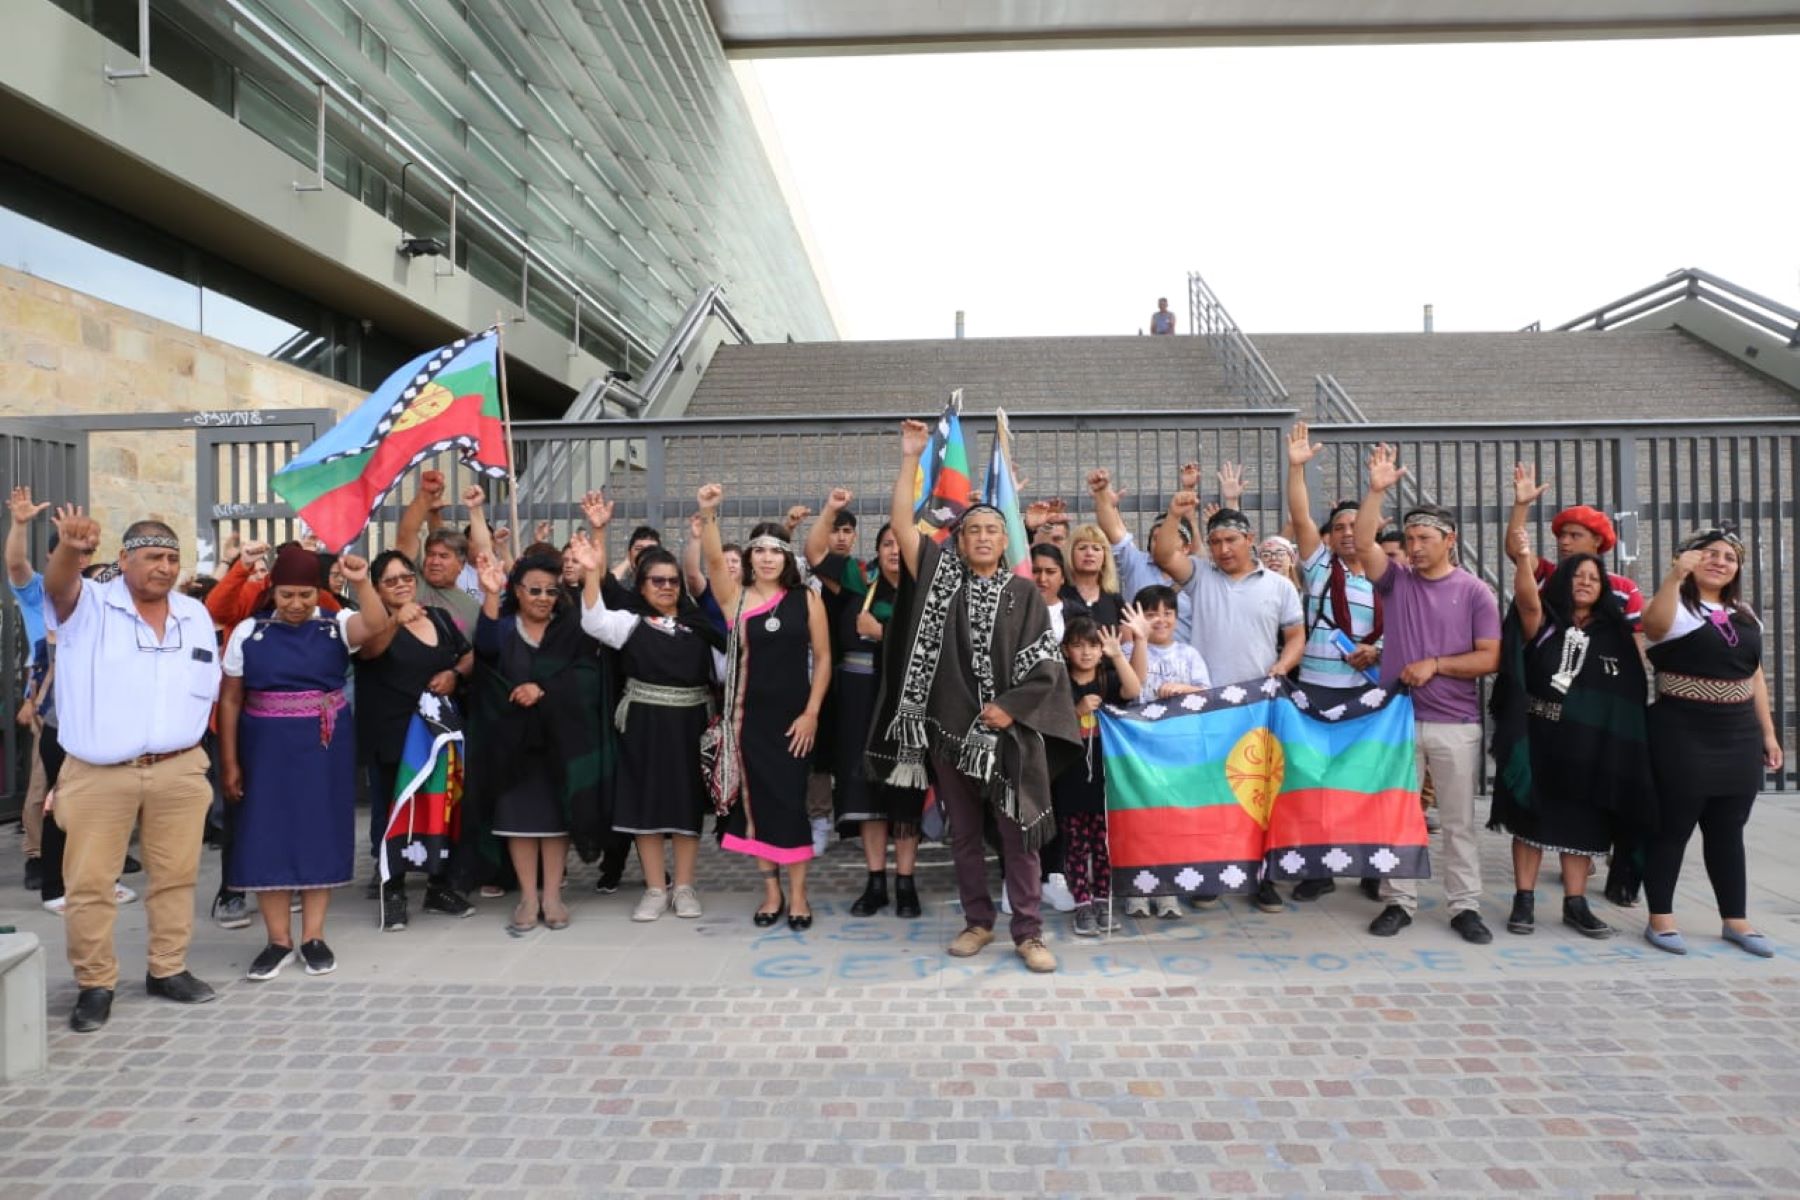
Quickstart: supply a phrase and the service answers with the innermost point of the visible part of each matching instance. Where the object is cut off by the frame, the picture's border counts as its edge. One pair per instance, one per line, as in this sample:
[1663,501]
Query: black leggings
[1721,820]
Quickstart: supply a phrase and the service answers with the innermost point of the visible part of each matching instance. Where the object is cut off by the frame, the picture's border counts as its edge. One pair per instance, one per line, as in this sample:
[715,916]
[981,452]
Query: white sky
[1317,188]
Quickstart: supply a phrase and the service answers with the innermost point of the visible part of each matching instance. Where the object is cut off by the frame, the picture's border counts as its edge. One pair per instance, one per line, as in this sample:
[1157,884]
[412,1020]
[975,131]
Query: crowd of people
[789,688]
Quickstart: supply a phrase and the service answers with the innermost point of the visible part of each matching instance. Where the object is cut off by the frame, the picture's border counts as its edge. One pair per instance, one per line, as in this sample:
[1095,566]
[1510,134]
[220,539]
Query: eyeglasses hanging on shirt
[171,636]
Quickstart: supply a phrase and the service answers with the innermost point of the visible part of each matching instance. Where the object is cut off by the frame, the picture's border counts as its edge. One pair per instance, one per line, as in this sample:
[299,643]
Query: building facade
[339,185]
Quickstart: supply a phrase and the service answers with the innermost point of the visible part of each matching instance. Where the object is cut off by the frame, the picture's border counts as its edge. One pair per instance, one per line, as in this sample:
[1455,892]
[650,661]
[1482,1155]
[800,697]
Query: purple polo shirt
[1436,618]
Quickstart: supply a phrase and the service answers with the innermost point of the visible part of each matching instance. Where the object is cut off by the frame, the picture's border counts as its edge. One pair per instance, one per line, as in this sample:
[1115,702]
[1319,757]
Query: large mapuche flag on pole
[1202,791]
[446,399]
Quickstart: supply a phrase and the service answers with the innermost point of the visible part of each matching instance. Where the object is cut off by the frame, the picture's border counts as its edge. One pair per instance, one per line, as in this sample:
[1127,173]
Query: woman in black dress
[870,808]
[667,653]
[1711,733]
[420,651]
[539,714]
[779,667]
[1572,769]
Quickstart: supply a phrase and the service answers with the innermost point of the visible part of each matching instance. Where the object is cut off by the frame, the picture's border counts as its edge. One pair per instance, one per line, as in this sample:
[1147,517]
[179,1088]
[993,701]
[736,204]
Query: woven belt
[1550,710]
[323,707]
[1699,687]
[659,696]
[858,662]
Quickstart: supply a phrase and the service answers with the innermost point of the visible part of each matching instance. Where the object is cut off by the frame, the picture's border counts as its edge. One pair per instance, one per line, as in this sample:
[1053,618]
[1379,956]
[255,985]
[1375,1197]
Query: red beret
[1587,518]
[295,566]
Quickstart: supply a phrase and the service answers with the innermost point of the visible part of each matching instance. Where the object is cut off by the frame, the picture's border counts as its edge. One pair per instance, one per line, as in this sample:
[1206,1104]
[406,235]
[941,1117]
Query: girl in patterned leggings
[1099,673]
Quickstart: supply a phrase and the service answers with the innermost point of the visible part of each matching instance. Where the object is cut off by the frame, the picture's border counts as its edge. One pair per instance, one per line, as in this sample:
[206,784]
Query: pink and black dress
[774,682]
[296,826]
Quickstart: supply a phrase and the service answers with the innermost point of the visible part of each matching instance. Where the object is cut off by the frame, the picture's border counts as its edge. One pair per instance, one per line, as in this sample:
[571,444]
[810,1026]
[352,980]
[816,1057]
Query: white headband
[769,541]
[149,541]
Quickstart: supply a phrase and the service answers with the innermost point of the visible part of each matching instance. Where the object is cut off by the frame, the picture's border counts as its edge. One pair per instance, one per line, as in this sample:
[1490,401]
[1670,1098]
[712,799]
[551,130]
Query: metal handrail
[407,149]
[539,480]
[1246,371]
[1692,283]
[1332,403]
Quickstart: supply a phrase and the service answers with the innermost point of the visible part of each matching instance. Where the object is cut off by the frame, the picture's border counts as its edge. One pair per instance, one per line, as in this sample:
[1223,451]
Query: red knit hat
[295,566]
[1588,518]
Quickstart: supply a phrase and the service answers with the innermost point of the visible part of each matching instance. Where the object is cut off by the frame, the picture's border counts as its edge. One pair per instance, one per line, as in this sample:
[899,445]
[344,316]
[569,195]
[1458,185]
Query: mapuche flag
[425,815]
[446,399]
[1202,790]
[1000,488]
[941,484]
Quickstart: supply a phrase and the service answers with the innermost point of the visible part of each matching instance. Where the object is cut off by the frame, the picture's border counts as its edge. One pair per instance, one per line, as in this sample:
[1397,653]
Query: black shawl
[566,725]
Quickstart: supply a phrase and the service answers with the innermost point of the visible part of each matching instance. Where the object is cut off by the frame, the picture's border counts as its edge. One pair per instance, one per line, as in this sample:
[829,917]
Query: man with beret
[1585,530]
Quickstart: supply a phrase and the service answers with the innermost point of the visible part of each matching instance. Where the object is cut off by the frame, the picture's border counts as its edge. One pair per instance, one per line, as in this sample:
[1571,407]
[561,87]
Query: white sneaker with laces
[1166,907]
[1137,906]
[57,905]
[123,894]
[653,904]
[687,902]
[1057,893]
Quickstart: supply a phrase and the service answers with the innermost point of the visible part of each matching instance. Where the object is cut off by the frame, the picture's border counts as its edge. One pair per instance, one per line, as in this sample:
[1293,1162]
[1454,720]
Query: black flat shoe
[874,897]
[92,1008]
[762,920]
[1579,917]
[182,988]
[906,898]
[800,922]
[1523,918]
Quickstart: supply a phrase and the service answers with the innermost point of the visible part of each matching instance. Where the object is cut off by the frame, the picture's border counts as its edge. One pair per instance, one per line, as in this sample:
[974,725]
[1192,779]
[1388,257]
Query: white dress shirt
[122,692]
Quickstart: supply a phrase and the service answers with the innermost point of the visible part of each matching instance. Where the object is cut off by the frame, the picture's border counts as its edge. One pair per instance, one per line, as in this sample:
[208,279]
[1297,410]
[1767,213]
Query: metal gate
[53,463]
[235,455]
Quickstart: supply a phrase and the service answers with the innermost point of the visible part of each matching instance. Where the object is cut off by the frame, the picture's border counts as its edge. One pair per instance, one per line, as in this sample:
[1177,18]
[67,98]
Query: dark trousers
[54,840]
[1721,820]
[965,805]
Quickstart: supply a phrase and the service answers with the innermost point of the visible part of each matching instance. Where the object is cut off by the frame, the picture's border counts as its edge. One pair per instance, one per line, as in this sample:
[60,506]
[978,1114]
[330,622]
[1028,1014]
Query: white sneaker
[123,894]
[655,903]
[1005,901]
[687,902]
[1166,907]
[57,905]
[1057,893]
[821,831]
[1137,906]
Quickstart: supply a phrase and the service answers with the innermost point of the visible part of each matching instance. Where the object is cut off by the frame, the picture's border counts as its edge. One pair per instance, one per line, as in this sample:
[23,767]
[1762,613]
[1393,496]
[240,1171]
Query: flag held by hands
[942,489]
[446,399]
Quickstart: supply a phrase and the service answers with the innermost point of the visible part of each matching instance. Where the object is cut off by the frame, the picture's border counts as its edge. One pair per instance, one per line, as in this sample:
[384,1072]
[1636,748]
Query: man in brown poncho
[974,701]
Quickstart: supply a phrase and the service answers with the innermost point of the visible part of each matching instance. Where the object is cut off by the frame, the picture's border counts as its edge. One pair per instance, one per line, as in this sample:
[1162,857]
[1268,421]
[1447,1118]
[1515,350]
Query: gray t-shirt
[1238,622]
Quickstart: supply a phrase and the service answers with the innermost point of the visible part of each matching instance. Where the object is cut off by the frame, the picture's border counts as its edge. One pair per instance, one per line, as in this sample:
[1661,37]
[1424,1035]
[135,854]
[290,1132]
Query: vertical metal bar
[142,70]
[655,485]
[318,183]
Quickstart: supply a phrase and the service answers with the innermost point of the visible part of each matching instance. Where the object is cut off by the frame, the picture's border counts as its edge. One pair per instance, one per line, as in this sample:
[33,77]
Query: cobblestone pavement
[1229,1052]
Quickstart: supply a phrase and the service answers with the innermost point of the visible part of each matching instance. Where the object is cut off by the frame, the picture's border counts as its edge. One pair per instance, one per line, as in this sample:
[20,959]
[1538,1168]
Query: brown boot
[1037,956]
[970,942]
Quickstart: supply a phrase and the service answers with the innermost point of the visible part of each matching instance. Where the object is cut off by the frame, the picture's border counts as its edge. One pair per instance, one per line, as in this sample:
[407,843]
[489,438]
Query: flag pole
[512,480]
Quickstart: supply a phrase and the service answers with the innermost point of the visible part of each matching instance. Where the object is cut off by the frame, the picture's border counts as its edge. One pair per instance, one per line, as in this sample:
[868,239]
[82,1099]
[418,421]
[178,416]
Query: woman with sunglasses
[779,667]
[286,754]
[536,722]
[420,651]
[668,654]
[1711,733]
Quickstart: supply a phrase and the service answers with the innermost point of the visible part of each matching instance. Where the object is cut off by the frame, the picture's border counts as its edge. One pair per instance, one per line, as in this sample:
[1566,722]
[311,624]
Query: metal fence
[53,463]
[1656,479]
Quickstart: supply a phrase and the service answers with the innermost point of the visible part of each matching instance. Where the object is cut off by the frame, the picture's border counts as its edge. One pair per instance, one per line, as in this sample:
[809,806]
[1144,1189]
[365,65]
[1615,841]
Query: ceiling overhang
[776,28]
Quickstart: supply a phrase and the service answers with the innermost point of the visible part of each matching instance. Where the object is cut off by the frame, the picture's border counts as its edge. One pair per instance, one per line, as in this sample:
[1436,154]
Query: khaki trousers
[1452,754]
[32,819]
[97,807]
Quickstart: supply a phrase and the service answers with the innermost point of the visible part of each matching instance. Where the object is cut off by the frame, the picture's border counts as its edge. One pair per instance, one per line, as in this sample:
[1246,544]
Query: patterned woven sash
[324,706]
[1698,687]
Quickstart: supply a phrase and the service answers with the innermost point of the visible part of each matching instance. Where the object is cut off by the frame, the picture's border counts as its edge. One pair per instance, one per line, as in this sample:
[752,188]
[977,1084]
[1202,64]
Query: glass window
[38,249]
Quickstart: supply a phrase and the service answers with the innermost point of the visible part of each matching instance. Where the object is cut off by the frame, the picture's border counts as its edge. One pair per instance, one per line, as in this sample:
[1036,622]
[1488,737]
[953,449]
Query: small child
[1099,673]
[1174,668]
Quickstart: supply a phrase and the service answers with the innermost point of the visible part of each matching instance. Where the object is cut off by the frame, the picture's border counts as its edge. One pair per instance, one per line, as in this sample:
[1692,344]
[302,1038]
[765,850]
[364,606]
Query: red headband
[1588,518]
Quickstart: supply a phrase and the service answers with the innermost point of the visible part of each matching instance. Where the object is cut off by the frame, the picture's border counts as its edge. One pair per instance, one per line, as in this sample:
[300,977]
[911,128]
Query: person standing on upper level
[1442,635]
[1162,321]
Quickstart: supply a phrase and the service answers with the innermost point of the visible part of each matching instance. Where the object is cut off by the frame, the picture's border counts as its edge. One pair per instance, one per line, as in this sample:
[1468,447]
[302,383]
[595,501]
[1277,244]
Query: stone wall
[63,352]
